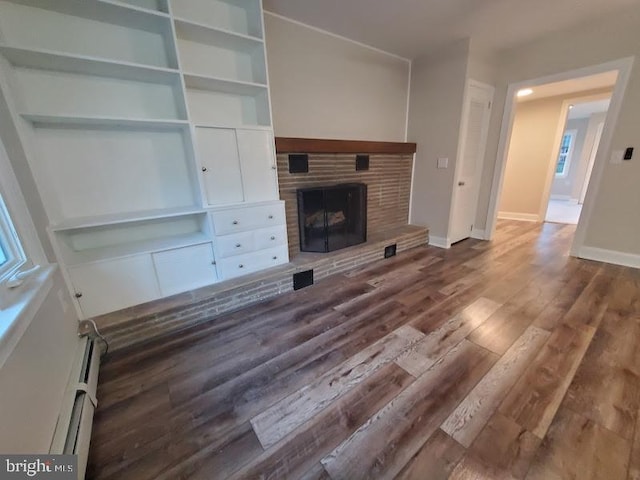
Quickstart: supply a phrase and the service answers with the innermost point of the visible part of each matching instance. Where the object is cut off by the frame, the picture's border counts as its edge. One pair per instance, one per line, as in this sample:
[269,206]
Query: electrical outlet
[443,162]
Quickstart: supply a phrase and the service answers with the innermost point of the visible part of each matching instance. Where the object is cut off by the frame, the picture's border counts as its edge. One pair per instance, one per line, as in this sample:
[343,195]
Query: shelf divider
[45,121]
[103,220]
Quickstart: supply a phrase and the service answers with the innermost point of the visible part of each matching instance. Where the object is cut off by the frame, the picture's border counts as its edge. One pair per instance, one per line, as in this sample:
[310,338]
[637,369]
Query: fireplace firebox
[332,217]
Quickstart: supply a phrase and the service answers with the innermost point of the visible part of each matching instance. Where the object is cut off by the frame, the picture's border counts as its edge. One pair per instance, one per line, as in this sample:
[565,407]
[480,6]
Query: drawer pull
[275,258]
[241,266]
[235,222]
[204,169]
[272,237]
[270,217]
[238,245]
[213,262]
[78,295]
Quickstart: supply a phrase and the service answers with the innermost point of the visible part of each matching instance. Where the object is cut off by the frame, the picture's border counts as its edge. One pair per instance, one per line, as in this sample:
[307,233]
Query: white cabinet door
[257,161]
[186,268]
[111,285]
[217,152]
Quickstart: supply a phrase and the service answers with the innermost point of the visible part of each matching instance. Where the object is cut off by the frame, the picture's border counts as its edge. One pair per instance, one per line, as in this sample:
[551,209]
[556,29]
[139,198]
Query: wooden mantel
[317,145]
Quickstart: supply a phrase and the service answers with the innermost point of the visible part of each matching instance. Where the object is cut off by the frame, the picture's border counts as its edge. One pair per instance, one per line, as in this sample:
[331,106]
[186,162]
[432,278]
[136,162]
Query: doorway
[621,69]
[578,147]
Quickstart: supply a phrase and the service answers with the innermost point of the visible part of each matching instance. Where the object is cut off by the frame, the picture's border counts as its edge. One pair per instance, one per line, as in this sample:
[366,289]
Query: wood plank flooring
[493,360]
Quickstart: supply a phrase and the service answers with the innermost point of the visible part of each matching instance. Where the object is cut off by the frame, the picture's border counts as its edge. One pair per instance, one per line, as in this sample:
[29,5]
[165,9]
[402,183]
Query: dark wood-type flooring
[492,360]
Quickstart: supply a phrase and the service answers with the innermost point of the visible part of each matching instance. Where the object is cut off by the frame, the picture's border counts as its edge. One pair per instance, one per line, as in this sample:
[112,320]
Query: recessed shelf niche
[98,29]
[95,171]
[48,92]
[240,16]
[124,239]
[212,53]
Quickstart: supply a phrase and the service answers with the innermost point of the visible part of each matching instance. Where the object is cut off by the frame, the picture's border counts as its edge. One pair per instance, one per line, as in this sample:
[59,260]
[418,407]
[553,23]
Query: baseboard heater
[73,430]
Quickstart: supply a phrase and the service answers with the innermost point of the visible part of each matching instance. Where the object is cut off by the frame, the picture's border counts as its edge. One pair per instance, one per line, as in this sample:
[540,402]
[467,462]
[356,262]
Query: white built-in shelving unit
[147,127]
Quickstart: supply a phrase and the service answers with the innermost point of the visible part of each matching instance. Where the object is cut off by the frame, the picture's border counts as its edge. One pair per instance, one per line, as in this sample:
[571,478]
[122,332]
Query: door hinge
[489,107]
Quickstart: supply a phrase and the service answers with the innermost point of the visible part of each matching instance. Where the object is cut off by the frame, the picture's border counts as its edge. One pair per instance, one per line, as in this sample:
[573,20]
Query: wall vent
[362,162]
[298,163]
[302,279]
[390,251]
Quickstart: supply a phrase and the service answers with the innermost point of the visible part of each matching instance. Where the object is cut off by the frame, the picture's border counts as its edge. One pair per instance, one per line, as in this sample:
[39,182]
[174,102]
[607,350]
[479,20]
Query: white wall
[531,153]
[323,86]
[592,129]
[34,377]
[615,224]
[435,111]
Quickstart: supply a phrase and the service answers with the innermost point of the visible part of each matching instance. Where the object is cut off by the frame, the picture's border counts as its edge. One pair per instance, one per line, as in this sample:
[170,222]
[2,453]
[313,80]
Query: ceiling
[581,84]
[409,28]
[586,109]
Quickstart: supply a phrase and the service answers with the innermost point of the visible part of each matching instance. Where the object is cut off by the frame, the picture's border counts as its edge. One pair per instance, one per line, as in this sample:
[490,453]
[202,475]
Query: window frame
[572,134]
[18,232]
[10,244]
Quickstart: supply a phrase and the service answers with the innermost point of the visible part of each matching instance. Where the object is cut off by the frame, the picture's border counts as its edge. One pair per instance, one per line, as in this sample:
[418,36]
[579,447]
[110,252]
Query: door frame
[623,66]
[553,161]
[490,90]
[592,157]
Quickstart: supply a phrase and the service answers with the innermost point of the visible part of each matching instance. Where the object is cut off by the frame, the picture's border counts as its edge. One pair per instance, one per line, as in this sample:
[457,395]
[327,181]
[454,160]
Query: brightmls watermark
[38,467]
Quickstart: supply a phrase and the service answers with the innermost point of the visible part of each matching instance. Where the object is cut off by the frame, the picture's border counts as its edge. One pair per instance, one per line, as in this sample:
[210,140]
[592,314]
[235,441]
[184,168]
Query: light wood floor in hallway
[492,360]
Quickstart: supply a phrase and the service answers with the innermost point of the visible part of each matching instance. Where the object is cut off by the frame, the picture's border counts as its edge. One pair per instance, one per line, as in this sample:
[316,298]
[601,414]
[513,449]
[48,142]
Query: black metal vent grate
[302,279]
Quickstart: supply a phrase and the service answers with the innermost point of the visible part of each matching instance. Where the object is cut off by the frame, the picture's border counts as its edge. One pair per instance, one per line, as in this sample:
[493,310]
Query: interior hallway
[563,211]
[506,359]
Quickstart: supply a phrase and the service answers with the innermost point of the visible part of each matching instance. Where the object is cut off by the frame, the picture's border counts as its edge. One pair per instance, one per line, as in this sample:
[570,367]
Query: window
[566,149]
[11,253]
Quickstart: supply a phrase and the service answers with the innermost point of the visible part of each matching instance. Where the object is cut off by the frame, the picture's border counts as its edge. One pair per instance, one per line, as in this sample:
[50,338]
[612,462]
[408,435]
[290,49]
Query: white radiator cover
[73,430]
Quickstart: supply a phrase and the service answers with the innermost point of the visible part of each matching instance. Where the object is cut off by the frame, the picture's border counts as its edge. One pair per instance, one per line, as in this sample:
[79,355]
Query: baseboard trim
[478,234]
[610,256]
[440,242]
[524,217]
[560,197]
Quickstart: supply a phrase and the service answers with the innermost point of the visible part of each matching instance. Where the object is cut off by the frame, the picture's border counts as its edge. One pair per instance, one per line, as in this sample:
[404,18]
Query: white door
[473,134]
[217,152]
[257,161]
[186,268]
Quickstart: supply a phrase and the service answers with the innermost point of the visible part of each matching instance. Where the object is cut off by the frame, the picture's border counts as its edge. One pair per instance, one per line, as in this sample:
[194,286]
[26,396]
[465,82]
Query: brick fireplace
[388,181]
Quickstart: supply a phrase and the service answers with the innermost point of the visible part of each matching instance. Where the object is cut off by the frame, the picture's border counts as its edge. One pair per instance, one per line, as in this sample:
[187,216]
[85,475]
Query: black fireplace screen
[331,218]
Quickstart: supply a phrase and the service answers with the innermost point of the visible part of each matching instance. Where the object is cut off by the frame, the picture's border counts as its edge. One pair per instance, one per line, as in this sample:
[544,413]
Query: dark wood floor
[492,360]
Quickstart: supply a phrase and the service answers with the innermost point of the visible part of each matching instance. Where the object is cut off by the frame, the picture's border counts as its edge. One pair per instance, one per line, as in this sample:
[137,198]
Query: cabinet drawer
[270,237]
[252,262]
[235,244]
[247,218]
[186,268]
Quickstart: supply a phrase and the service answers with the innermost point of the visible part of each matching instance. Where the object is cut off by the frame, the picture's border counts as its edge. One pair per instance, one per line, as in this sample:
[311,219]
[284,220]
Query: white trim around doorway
[623,66]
